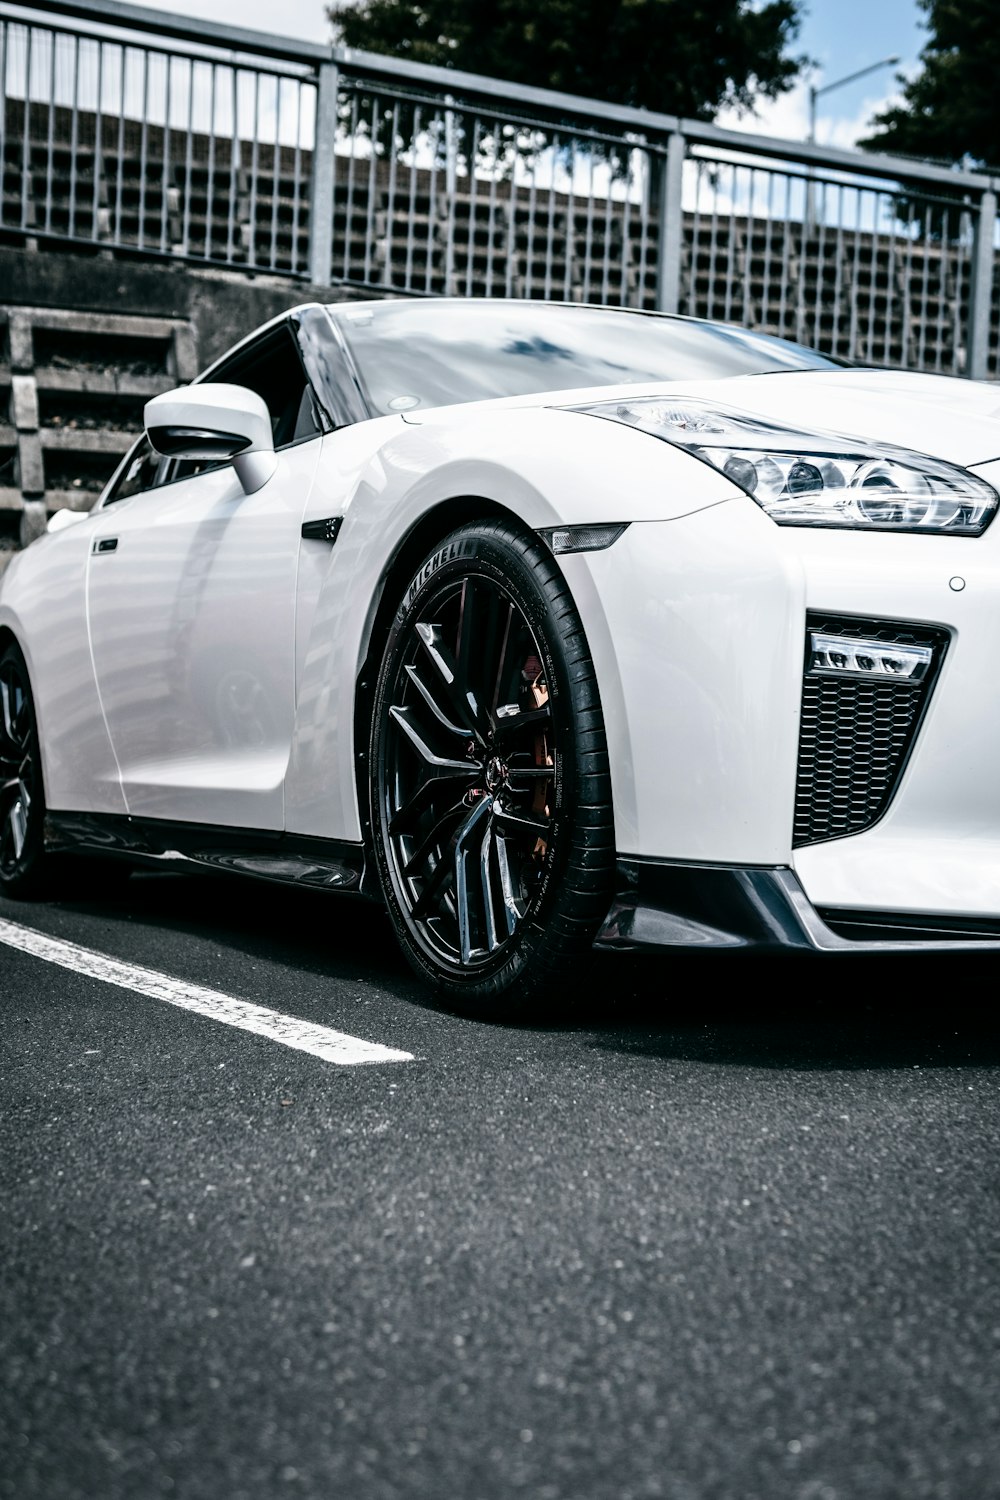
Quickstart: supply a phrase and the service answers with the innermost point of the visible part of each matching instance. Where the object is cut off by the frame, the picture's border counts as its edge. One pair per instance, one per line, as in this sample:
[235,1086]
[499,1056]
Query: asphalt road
[731,1233]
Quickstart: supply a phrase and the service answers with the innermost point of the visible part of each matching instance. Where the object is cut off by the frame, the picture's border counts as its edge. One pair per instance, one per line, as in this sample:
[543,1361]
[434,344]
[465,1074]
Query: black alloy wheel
[22,801]
[491,798]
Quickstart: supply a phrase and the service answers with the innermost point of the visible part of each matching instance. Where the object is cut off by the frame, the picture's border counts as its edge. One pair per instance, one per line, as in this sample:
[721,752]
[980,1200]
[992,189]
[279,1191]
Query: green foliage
[686,57]
[951,110]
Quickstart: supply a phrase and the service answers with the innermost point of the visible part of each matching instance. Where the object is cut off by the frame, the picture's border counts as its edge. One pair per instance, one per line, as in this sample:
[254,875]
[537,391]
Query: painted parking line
[303,1036]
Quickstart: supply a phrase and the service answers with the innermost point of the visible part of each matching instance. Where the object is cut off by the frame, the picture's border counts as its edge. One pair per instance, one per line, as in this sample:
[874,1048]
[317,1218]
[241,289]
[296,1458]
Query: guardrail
[222,146]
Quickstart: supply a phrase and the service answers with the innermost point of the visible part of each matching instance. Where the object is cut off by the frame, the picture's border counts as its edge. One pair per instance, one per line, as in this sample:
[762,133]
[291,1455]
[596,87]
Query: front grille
[856,734]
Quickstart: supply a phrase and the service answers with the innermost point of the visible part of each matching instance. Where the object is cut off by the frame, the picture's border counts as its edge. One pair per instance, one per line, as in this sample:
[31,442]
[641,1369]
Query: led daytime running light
[850,656]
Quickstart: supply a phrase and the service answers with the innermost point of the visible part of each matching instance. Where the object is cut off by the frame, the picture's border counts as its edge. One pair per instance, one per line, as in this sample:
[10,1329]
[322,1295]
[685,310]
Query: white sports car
[549,626]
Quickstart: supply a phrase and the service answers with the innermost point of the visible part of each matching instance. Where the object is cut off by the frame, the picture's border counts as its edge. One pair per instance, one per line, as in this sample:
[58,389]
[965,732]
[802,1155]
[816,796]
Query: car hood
[957,420]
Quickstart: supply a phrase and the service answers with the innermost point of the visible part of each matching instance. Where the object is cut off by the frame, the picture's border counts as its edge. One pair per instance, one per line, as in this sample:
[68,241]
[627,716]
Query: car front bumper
[698,627]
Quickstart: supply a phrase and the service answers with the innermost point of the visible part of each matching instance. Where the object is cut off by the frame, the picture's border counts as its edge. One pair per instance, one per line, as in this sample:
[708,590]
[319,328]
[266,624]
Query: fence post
[981,289]
[671,225]
[321,187]
[451,187]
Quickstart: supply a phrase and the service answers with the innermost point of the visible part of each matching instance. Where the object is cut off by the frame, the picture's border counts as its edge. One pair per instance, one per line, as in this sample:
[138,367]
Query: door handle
[105,544]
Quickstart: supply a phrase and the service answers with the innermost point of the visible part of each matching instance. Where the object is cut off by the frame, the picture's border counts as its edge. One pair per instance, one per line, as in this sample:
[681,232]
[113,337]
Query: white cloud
[787,117]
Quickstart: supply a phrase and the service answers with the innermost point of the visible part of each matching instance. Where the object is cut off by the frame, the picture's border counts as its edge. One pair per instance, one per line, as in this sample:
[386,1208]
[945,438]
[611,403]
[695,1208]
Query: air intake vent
[861,708]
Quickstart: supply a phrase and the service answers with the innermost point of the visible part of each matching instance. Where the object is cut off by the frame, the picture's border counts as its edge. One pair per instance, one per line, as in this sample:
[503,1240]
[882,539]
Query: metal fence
[227,147]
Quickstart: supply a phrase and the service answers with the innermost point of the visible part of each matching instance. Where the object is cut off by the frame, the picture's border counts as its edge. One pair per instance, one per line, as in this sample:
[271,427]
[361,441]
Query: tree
[685,57]
[951,109]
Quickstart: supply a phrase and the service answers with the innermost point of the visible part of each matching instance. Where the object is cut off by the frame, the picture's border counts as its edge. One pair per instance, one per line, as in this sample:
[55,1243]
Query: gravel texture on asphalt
[732,1231]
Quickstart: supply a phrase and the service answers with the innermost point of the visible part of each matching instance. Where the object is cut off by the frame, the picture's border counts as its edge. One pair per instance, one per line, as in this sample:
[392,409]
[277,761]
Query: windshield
[434,353]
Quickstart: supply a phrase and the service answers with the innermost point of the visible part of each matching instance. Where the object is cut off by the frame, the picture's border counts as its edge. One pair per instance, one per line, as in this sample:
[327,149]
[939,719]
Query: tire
[491,794]
[24,869]
[27,870]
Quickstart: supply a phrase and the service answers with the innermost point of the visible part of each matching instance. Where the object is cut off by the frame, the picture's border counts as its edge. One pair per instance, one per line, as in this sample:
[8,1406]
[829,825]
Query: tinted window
[138,474]
[272,368]
[414,354]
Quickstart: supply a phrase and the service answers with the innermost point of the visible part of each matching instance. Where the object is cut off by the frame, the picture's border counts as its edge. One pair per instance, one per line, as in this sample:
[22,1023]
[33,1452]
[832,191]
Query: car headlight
[817,479]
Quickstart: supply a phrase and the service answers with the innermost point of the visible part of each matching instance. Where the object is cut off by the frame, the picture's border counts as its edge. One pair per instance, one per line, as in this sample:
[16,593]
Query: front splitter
[661,905]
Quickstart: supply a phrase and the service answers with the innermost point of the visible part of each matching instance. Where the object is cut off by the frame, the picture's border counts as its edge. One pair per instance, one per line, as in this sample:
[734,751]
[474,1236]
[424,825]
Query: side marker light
[583,538]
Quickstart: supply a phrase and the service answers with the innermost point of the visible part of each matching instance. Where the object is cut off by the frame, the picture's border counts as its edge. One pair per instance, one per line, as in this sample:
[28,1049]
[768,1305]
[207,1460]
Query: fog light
[849,656]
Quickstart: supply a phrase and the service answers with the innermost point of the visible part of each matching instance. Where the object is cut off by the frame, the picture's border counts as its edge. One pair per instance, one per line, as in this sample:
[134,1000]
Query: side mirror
[212,422]
[60,519]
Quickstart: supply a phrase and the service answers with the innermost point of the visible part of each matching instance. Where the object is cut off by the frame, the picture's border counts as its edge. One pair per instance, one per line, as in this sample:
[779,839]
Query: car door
[191,609]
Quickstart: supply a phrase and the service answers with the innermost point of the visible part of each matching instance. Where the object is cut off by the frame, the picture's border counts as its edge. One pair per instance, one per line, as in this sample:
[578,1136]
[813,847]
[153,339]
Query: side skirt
[290,859]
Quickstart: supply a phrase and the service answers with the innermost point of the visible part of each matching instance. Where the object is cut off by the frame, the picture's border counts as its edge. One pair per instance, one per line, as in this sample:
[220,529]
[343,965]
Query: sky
[842,36]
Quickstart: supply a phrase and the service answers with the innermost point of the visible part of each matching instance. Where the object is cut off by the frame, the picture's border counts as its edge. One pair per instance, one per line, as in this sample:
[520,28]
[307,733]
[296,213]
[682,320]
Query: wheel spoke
[460,695]
[501,661]
[441,830]
[15,800]
[436,764]
[510,724]
[442,775]
[479,819]
[434,889]
[435,708]
[487,865]
[14,714]
[446,869]
[467,632]
[511,913]
[462,905]
[404,820]
[524,822]
[18,821]
[484,626]
[7,710]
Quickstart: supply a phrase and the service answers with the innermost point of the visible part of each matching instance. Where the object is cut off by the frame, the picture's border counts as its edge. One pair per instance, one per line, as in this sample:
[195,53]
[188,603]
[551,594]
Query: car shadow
[804,1011]
[309,930]
[762,1010]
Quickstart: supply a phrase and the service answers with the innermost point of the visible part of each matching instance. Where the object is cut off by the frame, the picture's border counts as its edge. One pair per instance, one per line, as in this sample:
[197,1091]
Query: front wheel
[491,798]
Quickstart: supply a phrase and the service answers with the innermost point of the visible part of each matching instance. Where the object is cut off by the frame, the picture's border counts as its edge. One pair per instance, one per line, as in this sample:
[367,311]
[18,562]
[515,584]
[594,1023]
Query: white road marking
[303,1036]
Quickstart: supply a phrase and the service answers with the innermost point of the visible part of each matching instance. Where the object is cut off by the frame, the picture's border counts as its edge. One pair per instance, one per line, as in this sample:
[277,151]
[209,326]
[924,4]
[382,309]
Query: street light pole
[814,93]
[839,83]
